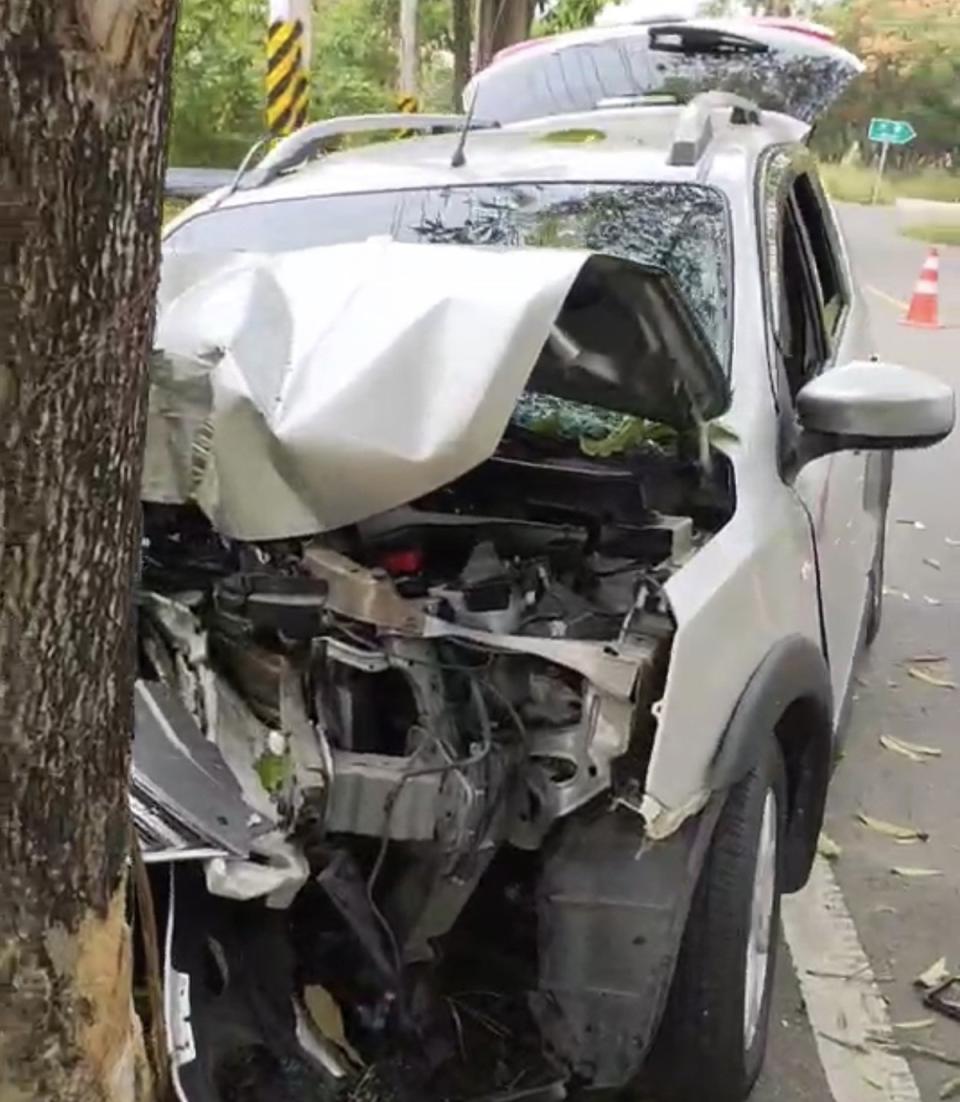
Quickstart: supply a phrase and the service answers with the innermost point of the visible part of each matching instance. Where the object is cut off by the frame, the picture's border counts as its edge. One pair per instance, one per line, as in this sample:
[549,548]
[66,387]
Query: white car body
[313,381]
[758,572]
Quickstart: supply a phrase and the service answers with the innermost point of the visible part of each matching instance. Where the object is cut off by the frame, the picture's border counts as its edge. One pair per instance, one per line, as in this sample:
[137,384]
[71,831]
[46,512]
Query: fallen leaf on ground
[854,1046]
[934,602]
[950,542]
[918,748]
[827,847]
[931,678]
[871,1082]
[919,1023]
[893,830]
[924,1052]
[949,1089]
[326,1016]
[916,873]
[937,974]
[890,743]
[892,591]
[935,563]
[921,658]
[918,524]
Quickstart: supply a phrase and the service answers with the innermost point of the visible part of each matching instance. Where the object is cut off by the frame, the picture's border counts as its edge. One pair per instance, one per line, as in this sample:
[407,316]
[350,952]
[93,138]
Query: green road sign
[891,131]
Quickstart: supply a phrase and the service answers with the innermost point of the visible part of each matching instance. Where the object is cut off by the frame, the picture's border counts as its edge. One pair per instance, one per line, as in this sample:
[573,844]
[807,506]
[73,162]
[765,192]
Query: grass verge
[854,184]
[933,234]
[172,207]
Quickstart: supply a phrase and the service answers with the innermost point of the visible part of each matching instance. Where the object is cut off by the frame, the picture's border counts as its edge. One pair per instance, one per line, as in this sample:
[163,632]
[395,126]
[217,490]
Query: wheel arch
[788,697]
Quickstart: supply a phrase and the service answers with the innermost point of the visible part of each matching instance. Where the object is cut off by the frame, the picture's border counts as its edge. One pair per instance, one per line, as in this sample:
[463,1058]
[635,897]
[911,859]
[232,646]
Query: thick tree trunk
[83,108]
[502,23]
[462,42]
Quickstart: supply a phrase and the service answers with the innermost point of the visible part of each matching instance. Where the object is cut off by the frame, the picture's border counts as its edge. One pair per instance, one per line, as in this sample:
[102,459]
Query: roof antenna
[459,159]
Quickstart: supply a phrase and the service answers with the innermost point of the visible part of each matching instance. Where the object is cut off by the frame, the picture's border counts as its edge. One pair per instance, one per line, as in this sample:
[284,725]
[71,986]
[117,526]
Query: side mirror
[869,405]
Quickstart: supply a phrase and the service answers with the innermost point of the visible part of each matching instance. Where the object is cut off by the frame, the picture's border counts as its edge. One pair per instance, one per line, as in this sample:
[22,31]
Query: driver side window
[800,337]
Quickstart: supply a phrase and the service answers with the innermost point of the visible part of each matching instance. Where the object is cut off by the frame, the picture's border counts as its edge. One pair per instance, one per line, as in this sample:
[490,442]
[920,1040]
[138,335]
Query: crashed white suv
[514,509]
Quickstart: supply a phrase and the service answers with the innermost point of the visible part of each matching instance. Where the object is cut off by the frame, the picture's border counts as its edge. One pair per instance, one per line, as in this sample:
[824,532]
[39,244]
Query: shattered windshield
[677,226]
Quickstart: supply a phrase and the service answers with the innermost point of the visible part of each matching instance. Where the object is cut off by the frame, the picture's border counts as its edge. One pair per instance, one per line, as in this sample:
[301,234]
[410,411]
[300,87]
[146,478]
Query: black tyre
[713,1035]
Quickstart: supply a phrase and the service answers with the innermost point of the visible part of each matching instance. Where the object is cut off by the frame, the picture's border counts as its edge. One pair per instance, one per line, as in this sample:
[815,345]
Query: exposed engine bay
[355,749]
[403,700]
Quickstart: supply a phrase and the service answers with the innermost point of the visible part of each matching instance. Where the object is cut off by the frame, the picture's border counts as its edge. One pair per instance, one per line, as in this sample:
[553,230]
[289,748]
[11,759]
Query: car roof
[624,143]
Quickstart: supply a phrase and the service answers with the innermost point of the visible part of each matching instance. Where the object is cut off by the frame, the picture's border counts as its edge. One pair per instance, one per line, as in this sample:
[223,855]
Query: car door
[816,325]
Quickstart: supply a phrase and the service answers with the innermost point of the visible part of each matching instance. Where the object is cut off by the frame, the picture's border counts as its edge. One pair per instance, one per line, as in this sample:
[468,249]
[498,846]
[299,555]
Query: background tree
[220,68]
[502,23]
[912,52]
[570,15]
[462,46]
[83,106]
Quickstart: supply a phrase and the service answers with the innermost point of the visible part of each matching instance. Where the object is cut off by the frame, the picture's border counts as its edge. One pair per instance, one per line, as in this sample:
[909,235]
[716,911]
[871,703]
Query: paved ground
[902,924]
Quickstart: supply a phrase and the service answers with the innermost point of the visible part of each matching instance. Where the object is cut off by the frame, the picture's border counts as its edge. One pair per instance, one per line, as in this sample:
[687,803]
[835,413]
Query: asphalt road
[903,924]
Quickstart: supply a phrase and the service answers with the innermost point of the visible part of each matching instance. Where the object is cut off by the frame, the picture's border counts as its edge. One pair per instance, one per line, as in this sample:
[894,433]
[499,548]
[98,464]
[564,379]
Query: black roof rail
[694,131]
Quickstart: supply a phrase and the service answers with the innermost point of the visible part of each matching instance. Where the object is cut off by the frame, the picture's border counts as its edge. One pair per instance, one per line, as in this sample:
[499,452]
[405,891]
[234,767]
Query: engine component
[362,594]
[373,795]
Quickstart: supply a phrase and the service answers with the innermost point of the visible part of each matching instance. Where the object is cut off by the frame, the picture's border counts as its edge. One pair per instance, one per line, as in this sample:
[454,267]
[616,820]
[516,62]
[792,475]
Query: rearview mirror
[873,406]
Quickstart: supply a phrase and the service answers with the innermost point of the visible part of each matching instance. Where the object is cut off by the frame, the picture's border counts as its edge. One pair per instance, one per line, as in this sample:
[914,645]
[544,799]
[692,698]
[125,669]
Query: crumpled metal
[301,392]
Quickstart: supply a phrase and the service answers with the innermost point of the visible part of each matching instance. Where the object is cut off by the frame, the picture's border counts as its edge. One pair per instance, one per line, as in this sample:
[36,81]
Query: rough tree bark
[83,107]
[501,23]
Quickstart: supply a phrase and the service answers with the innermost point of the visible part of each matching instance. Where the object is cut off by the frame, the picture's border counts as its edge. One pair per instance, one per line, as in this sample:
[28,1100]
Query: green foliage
[354,57]
[574,137]
[172,207]
[912,53]
[570,15]
[853,183]
[220,68]
[631,434]
[218,78]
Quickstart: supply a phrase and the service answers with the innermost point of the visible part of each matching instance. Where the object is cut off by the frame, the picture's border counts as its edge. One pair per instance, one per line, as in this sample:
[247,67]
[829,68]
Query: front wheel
[713,1035]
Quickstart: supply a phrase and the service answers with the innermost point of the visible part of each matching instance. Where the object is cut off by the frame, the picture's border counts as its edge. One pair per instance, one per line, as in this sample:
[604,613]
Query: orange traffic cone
[923,305]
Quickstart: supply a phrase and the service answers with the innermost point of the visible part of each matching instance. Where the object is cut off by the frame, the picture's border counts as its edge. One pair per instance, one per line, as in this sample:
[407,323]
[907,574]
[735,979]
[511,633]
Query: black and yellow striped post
[407,105]
[288,83]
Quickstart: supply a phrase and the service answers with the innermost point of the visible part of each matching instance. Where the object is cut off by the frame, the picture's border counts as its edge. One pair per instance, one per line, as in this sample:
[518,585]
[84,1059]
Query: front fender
[789,698]
[794,669]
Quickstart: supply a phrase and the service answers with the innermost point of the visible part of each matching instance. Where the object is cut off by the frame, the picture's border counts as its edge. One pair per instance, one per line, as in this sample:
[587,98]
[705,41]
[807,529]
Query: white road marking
[826,951]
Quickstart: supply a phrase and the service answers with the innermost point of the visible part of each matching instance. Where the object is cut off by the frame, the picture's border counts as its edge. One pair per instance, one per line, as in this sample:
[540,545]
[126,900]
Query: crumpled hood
[300,392]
